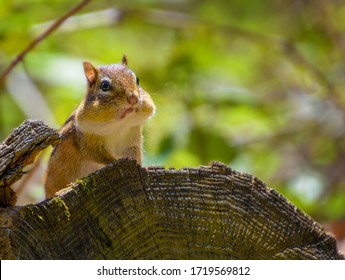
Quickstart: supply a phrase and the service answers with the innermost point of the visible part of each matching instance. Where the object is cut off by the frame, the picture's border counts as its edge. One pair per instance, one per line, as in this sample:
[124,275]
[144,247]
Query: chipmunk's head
[113,94]
[115,83]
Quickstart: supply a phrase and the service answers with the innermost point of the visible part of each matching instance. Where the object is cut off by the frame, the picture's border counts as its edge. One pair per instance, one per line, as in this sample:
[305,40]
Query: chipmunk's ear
[124,60]
[91,72]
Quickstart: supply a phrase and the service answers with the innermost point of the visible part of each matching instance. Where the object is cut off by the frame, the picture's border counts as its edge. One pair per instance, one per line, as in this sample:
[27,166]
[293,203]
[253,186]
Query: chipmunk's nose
[132,99]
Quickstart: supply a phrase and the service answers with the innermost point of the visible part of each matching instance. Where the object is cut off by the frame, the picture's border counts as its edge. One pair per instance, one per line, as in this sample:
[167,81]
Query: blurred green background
[257,85]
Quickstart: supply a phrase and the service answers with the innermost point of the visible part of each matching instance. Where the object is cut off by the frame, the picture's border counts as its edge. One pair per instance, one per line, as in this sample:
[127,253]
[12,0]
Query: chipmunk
[106,126]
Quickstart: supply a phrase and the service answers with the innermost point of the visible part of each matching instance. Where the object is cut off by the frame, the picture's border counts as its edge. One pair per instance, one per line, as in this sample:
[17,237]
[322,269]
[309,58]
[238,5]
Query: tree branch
[40,38]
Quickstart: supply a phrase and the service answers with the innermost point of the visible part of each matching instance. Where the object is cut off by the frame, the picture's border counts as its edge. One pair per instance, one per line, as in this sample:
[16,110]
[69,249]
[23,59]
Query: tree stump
[125,211]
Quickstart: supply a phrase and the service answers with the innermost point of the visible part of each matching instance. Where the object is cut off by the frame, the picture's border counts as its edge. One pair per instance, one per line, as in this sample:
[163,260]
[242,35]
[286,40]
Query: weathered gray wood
[125,211]
[18,150]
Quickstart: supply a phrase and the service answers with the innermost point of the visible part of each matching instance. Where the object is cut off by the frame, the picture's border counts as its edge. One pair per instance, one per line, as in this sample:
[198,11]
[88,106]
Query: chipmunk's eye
[105,85]
[137,81]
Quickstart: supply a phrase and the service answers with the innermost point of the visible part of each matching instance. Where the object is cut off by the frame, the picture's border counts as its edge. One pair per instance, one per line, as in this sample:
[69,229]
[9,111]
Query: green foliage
[255,85]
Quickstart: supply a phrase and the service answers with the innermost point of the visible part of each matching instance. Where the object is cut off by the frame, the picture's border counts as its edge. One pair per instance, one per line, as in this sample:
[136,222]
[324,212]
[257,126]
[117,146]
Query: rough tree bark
[19,150]
[125,211]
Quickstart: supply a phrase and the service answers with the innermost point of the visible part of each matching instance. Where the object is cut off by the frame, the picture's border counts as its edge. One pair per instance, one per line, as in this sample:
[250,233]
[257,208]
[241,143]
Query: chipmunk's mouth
[126,112]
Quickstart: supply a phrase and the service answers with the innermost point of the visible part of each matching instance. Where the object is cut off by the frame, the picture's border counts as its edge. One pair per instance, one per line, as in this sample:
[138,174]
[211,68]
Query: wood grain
[125,211]
[18,150]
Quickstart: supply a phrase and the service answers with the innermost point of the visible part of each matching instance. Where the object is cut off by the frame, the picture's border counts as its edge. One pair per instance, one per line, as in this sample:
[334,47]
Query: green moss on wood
[61,203]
